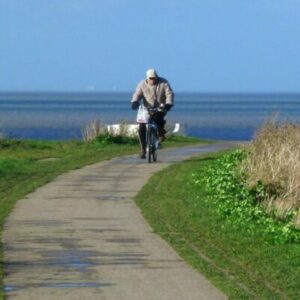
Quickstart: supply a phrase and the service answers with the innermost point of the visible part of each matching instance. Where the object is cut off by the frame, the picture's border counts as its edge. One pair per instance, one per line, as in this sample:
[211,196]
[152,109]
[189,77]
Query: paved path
[82,237]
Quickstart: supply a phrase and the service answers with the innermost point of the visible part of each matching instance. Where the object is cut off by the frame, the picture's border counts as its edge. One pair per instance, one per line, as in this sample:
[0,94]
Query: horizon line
[131,92]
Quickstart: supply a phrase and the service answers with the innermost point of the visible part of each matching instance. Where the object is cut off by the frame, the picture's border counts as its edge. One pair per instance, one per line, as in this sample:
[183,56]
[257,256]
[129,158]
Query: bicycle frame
[151,139]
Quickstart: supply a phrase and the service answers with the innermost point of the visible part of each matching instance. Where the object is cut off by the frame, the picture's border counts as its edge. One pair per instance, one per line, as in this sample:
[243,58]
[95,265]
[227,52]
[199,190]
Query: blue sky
[107,45]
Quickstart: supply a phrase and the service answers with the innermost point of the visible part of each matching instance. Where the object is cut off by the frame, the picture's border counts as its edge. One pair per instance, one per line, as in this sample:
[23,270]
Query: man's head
[151,76]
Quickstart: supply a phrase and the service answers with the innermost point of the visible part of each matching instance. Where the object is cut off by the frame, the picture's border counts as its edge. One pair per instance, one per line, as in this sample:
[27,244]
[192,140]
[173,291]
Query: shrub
[273,164]
[107,138]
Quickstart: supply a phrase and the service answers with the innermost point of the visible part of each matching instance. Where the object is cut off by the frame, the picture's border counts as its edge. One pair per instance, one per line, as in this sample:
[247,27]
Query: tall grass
[95,131]
[92,130]
[274,164]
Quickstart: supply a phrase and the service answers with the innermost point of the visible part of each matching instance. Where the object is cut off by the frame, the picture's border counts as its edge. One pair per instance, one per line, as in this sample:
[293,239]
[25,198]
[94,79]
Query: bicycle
[152,142]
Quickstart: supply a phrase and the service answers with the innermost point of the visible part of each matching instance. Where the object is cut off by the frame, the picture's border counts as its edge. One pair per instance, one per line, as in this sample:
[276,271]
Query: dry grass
[126,129]
[92,131]
[274,161]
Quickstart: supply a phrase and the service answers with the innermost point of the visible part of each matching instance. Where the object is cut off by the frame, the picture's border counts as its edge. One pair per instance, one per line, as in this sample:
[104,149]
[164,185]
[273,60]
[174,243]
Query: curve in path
[82,237]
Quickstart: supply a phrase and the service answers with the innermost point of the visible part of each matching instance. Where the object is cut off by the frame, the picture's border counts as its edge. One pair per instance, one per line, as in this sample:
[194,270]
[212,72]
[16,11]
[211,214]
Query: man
[154,91]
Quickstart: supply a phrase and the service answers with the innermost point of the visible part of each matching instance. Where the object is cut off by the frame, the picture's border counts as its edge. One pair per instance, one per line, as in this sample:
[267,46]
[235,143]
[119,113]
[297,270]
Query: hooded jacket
[154,95]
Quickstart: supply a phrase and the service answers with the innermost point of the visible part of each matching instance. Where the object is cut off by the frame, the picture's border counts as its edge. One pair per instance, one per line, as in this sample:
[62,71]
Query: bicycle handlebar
[153,110]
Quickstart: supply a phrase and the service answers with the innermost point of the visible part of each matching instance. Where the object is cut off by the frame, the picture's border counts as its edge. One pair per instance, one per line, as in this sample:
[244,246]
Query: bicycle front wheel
[154,152]
[151,145]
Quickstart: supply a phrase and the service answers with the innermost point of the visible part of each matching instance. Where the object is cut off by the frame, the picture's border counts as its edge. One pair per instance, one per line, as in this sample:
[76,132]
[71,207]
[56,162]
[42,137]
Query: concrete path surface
[82,237]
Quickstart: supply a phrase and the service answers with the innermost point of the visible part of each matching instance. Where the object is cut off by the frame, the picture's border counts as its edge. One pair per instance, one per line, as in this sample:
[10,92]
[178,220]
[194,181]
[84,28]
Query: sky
[239,46]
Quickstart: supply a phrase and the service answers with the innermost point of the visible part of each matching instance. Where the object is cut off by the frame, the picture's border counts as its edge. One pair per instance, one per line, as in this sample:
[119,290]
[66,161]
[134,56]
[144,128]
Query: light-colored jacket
[154,95]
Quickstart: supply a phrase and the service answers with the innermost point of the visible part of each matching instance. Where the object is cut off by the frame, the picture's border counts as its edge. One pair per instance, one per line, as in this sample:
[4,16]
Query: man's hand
[134,105]
[168,106]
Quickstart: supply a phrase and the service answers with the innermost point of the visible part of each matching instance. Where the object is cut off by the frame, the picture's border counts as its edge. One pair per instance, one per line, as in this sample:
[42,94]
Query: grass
[175,140]
[26,165]
[274,162]
[243,266]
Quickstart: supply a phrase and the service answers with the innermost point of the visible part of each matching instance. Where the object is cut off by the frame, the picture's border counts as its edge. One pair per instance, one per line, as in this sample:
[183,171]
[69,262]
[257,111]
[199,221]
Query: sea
[63,116]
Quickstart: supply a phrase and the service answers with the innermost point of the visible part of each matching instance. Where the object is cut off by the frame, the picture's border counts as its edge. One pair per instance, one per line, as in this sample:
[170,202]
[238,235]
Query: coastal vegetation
[233,215]
[273,165]
[236,225]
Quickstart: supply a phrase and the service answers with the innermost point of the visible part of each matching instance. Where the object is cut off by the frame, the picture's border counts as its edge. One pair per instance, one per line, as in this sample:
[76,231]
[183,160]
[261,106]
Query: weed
[240,206]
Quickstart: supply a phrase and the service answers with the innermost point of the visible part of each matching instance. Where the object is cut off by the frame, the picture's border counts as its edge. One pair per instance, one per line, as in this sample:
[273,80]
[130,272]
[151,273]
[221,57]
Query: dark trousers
[160,122]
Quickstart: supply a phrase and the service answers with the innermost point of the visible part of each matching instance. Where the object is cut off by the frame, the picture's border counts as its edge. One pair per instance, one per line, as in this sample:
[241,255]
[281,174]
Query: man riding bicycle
[154,91]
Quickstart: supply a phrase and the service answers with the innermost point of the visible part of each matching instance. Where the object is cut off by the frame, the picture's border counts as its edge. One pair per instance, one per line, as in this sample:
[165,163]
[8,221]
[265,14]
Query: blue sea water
[61,116]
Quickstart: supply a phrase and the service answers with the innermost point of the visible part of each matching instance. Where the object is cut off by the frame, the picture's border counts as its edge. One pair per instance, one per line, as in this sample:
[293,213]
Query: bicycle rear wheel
[149,153]
[149,145]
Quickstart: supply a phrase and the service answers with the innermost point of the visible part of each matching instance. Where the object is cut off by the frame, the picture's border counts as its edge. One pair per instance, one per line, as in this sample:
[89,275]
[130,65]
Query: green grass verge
[26,165]
[242,266]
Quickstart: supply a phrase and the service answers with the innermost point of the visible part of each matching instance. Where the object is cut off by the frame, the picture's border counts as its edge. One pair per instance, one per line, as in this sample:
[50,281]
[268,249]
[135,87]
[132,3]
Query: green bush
[106,138]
